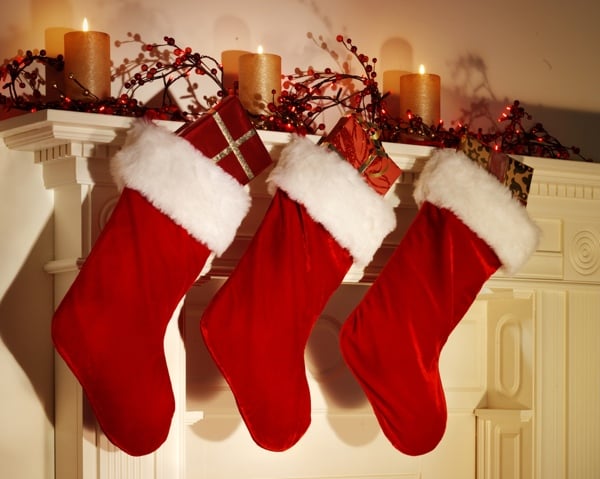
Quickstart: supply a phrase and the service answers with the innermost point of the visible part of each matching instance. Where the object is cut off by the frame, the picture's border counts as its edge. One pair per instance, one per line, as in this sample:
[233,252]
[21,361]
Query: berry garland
[305,96]
[17,70]
[168,63]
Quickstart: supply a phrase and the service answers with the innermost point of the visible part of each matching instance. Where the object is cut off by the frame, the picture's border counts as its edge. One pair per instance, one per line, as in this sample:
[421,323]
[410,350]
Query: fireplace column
[73,150]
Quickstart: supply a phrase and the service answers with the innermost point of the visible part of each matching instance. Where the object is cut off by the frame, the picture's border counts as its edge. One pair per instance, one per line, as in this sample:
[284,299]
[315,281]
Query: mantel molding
[49,129]
[46,129]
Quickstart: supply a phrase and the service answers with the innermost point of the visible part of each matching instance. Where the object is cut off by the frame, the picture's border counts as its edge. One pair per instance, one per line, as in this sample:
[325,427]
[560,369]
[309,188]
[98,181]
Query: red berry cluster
[22,73]
[171,65]
[515,138]
[307,94]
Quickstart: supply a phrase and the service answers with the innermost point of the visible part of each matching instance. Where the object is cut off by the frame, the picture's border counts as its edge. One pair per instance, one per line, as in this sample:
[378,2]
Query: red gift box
[358,142]
[226,136]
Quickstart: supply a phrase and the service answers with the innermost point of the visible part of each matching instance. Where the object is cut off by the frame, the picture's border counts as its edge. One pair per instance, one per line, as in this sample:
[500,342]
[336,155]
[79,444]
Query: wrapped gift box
[226,135]
[358,142]
[515,175]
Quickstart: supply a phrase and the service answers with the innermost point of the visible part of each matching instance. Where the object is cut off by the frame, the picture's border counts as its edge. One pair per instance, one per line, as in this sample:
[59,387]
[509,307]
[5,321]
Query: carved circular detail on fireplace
[585,252]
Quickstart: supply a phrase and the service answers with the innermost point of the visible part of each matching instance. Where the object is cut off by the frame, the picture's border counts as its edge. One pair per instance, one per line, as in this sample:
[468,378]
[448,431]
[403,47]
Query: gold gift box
[515,175]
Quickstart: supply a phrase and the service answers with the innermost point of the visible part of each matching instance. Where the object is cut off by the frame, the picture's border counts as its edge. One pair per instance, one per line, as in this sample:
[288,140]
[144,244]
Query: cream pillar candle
[420,93]
[87,64]
[391,85]
[230,62]
[259,76]
[54,45]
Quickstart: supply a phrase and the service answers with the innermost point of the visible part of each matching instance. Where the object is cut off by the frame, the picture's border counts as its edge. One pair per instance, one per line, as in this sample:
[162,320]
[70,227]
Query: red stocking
[467,227]
[176,207]
[323,217]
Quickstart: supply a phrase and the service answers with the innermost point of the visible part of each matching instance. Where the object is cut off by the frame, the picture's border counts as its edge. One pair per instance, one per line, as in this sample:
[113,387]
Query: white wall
[542,53]
[26,354]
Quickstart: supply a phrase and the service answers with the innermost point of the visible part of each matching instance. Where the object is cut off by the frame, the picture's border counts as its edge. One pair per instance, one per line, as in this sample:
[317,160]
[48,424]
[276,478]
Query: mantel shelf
[48,128]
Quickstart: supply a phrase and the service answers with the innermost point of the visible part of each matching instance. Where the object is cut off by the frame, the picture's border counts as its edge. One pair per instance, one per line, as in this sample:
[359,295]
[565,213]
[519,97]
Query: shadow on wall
[314,7]
[395,59]
[571,128]
[25,318]
[470,99]
[330,378]
[16,36]
[396,54]
[345,400]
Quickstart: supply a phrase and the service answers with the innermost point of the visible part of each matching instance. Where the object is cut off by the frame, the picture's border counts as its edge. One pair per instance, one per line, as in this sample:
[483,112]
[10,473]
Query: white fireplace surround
[521,371]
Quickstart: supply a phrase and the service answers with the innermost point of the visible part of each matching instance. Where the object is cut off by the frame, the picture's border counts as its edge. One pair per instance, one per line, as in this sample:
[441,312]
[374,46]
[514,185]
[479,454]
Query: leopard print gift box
[515,175]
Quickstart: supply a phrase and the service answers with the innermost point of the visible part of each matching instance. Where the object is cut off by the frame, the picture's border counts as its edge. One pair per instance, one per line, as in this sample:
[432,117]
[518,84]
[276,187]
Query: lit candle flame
[85,26]
[259,50]
[422,69]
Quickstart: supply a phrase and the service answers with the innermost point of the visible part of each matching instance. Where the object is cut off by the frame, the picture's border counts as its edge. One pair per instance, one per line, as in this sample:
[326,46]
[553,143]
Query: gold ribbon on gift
[379,152]
[233,145]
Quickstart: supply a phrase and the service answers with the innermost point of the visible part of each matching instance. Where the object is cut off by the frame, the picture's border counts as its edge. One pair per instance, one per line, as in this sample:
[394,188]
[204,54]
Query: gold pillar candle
[259,76]
[391,85]
[420,93]
[87,64]
[230,62]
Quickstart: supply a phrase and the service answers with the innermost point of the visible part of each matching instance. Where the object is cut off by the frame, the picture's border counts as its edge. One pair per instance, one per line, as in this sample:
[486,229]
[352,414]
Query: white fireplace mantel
[537,413]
